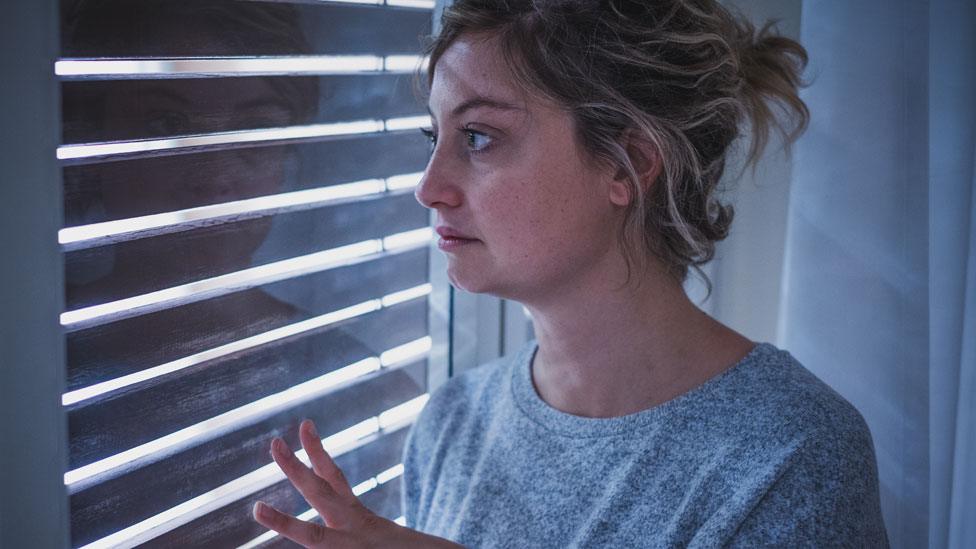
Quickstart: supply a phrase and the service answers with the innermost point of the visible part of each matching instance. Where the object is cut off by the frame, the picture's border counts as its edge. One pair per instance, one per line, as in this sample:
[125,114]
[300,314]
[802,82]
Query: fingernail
[278,445]
[312,429]
[261,510]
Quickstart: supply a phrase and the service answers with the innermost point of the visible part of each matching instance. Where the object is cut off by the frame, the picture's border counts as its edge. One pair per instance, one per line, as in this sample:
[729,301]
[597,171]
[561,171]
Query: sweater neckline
[549,418]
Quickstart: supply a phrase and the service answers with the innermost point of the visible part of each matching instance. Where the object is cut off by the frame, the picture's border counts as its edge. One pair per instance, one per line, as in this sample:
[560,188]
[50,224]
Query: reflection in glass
[161,108]
[161,392]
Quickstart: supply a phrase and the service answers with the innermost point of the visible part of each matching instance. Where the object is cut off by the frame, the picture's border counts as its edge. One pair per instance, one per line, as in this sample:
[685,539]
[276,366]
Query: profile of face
[507,172]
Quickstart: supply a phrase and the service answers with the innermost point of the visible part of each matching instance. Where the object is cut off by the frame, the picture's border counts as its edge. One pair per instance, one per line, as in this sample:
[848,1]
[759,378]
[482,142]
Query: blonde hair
[681,75]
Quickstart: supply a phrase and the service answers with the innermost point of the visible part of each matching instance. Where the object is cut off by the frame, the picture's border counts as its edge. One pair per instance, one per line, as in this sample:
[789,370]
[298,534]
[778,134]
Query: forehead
[473,66]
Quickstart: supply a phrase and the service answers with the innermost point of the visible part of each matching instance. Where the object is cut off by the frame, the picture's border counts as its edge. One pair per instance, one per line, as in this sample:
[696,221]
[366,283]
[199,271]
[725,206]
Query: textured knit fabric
[764,454]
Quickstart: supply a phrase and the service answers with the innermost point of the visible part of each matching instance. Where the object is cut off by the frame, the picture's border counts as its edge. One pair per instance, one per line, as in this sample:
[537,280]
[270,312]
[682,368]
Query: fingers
[322,463]
[335,509]
[308,534]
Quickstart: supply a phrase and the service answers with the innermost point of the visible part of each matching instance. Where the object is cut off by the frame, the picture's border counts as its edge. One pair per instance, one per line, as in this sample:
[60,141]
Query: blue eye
[477,141]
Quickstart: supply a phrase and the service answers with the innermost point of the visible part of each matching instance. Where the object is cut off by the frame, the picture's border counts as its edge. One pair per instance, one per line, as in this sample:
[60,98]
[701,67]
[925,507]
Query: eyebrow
[479,103]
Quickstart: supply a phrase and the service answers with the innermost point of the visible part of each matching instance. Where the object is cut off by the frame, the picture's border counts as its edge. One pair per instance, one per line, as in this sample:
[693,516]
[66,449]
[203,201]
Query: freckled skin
[539,207]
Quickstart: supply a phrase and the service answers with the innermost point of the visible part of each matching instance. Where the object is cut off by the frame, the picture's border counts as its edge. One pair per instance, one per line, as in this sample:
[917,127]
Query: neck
[606,351]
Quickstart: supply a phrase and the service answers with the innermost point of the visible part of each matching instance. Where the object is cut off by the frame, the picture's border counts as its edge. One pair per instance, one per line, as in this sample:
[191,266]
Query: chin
[476,283]
[480,284]
[466,285]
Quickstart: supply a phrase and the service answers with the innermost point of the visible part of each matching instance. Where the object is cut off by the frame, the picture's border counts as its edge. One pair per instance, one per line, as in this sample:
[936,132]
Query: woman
[577,146]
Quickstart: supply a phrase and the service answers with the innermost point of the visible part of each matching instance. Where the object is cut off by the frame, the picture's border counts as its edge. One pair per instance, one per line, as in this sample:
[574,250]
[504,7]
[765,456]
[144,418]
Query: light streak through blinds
[94,82]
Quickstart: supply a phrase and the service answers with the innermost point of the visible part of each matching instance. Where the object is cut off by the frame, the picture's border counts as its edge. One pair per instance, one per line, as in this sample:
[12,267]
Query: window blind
[242,251]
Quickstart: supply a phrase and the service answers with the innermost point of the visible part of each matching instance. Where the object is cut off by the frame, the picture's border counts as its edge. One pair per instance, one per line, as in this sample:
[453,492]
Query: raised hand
[348,523]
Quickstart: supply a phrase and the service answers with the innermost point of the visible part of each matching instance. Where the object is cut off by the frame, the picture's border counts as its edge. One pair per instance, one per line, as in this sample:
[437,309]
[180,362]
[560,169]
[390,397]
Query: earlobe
[647,165]
[620,191]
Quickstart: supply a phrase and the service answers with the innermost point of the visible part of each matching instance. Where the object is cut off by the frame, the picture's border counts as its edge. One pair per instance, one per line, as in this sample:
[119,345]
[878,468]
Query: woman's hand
[348,523]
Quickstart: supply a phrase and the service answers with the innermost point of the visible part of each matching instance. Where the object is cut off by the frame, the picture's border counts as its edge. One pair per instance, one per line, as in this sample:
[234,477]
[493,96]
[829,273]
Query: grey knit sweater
[765,454]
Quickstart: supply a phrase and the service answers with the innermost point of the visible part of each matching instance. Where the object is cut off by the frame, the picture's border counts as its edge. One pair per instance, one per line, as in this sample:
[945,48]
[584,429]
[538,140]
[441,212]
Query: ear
[646,159]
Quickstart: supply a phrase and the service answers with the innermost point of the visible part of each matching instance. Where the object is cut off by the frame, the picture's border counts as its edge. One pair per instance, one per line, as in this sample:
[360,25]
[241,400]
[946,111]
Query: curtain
[878,295]
[952,289]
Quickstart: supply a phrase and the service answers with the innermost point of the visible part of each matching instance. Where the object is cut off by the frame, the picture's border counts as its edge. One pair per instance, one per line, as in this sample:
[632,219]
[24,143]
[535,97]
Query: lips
[449,233]
[452,241]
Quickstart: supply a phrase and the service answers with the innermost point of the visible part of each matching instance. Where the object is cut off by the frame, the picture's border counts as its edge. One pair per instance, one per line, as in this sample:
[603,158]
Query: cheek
[531,219]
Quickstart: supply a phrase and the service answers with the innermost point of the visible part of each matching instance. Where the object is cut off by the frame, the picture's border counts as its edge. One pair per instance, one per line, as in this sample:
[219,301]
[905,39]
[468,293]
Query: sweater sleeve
[827,497]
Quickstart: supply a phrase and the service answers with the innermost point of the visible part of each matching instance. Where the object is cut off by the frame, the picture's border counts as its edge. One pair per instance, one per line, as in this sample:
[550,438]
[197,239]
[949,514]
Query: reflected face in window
[512,177]
[162,108]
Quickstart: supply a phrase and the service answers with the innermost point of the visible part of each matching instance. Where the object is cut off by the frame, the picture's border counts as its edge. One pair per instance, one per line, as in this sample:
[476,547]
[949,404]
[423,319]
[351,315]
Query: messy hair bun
[685,76]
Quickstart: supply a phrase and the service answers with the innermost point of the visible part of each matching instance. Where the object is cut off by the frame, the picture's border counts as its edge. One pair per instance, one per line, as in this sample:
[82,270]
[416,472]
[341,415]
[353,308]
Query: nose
[438,187]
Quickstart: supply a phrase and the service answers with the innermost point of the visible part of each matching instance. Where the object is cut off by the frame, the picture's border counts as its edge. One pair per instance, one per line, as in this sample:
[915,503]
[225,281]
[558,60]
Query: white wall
[748,265]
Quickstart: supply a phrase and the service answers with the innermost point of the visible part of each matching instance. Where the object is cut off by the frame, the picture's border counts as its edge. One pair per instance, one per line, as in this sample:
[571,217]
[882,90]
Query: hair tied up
[771,67]
[687,76]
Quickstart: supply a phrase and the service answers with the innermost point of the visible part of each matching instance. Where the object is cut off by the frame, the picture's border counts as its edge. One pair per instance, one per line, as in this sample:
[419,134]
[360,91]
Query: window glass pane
[242,251]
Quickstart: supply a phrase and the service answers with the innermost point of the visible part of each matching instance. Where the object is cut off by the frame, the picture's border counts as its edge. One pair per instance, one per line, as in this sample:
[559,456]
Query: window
[242,250]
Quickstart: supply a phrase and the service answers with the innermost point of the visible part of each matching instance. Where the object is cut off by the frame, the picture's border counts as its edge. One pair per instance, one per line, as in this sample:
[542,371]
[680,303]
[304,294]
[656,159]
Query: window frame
[34,507]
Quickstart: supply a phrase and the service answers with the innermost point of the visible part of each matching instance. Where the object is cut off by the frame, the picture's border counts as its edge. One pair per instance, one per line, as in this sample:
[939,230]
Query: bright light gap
[370,484]
[257,340]
[71,237]
[95,234]
[219,285]
[290,133]
[232,138]
[399,415]
[408,239]
[347,440]
[366,2]
[406,352]
[425,4]
[239,280]
[407,123]
[406,295]
[263,407]
[405,181]
[390,474]
[311,65]
[200,432]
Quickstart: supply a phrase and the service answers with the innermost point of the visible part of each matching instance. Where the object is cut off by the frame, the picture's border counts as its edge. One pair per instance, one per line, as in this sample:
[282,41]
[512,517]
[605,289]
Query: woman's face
[506,172]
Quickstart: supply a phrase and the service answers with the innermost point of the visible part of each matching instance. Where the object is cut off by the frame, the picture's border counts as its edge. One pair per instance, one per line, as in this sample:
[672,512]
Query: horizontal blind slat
[315,165]
[143,492]
[120,348]
[109,111]
[231,525]
[112,423]
[169,260]
[223,318]
[384,500]
[158,68]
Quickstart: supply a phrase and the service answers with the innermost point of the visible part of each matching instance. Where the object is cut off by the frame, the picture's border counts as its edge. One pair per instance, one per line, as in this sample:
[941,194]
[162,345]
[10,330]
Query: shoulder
[825,489]
[774,394]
